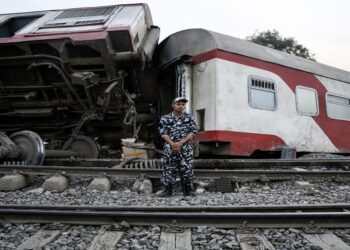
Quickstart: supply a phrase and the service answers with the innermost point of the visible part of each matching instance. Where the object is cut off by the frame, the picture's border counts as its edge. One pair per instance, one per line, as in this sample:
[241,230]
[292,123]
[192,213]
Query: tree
[273,39]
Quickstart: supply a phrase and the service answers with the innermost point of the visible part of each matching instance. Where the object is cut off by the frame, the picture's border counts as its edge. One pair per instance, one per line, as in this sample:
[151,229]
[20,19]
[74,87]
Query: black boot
[167,192]
[187,189]
[183,186]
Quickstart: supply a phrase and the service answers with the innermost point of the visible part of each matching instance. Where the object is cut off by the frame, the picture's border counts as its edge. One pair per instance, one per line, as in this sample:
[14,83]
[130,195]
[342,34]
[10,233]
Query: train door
[175,81]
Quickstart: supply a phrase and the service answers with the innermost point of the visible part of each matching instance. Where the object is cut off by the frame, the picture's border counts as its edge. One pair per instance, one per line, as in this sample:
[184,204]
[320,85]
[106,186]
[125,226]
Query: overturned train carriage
[249,98]
[76,77]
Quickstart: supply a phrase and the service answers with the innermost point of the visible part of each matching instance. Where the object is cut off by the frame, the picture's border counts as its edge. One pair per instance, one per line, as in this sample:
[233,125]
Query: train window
[262,93]
[338,107]
[307,101]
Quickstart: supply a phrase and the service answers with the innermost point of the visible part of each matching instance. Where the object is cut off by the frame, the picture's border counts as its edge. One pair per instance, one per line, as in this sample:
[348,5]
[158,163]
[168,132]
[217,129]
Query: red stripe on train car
[242,143]
[85,35]
[76,36]
[336,130]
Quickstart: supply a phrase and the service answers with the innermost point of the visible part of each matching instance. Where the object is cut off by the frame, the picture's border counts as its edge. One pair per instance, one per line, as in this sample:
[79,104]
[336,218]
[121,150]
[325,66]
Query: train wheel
[32,147]
[85,146]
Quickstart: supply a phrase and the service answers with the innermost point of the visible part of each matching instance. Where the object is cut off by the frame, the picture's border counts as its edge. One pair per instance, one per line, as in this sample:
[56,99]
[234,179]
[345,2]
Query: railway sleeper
[109,236]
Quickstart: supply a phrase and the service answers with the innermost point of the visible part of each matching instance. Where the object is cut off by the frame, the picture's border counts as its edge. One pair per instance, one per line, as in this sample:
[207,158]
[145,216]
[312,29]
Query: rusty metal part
[330,216]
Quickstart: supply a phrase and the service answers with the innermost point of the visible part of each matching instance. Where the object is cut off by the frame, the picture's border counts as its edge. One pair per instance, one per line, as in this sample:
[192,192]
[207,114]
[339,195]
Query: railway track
[245,225]
[207,163]
[124,236]
[299,216]
[236,174]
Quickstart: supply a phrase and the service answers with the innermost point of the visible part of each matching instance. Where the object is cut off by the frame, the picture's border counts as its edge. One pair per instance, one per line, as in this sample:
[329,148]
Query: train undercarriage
[77,93]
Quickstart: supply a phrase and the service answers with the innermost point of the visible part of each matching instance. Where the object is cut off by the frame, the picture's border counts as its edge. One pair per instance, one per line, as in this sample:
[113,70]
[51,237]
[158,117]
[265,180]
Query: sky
[320,25]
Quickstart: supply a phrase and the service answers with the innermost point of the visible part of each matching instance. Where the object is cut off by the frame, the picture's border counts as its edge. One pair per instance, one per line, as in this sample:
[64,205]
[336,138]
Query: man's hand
[176,147]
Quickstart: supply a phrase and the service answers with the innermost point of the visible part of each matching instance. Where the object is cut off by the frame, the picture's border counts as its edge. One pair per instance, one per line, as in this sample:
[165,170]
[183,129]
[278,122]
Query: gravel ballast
[139,238]
[250,193]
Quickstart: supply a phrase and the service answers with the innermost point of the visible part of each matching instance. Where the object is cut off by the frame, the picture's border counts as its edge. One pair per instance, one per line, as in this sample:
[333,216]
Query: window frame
[327,106]
[253,77]
[296,100]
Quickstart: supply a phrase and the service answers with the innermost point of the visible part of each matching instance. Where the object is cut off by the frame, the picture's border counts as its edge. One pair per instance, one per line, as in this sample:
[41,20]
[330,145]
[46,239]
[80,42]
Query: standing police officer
[177,129]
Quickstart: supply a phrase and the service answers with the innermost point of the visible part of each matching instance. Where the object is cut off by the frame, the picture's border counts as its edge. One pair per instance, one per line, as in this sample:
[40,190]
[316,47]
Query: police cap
[181,98]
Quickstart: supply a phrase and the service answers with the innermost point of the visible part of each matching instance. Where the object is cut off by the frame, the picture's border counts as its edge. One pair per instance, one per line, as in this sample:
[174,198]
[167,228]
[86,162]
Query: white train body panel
[222,90]
[204,91]
[334,86]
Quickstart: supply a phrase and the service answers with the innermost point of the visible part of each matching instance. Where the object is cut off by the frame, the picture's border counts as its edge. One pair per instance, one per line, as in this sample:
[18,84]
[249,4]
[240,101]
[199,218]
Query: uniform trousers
[182,160]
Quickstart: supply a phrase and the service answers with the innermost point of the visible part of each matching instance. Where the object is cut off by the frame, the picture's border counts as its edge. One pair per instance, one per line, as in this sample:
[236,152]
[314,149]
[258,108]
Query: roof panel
[194,42]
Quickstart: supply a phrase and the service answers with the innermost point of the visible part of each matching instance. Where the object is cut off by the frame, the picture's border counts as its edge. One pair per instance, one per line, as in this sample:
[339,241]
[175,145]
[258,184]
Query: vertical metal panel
[184,84]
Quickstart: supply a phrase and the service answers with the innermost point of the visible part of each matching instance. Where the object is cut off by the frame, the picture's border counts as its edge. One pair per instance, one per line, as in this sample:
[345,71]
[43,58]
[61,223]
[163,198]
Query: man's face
[179,106]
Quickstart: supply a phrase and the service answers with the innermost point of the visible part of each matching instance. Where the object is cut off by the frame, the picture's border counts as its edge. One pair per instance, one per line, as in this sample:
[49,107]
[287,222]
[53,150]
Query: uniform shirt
[177,128]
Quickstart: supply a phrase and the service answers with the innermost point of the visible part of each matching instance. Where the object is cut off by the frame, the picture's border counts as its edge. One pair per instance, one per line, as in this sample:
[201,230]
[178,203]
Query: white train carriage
[249,98]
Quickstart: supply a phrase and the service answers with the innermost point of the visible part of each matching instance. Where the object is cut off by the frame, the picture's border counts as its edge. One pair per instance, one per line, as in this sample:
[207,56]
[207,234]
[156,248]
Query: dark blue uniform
[177,129]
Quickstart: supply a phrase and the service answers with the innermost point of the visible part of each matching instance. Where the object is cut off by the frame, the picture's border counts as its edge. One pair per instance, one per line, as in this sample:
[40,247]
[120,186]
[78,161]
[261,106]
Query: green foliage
[274,40]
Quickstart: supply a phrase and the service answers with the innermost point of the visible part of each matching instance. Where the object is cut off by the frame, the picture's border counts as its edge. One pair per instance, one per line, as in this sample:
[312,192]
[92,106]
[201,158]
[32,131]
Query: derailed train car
[75,82]
[249,98]
[76,79]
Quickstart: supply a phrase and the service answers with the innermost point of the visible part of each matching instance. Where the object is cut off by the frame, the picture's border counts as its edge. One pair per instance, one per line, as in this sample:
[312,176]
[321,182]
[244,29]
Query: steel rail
[156,173]
[215,163]
[257,218]
[265,163]
[337,207]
